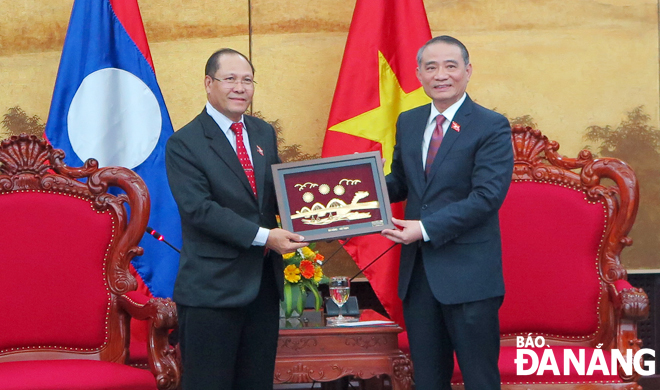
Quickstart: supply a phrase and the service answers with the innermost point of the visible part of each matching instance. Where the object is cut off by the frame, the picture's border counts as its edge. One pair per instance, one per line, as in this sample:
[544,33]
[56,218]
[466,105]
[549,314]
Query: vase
[294,313]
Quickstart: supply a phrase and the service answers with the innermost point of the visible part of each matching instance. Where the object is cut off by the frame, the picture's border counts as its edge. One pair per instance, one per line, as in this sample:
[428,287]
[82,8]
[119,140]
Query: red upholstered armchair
[66,293]
[563,229]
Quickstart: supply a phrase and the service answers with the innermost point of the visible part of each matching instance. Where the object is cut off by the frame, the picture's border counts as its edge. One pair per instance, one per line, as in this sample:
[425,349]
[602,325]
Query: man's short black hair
[213,64]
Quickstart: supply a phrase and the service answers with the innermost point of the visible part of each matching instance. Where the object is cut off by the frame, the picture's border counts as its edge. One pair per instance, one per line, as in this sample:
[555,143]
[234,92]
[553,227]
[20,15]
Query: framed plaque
[333,197]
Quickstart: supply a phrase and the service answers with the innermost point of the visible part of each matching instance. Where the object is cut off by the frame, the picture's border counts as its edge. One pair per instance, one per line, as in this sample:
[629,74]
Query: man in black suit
[452,162]
[230,275]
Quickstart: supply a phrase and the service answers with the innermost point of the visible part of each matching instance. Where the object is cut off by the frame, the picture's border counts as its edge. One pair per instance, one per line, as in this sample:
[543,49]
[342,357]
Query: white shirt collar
[449,113]
[223,122]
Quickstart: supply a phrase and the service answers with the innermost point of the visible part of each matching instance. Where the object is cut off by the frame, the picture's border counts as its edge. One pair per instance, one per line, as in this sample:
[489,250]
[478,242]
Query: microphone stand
[160,237]
[336,251]
[373,261]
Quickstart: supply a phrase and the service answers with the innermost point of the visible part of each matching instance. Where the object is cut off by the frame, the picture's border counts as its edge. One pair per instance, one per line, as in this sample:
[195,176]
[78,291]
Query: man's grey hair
[448,40]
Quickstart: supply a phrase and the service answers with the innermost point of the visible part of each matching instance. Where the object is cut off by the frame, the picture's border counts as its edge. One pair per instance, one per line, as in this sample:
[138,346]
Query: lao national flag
[107,105]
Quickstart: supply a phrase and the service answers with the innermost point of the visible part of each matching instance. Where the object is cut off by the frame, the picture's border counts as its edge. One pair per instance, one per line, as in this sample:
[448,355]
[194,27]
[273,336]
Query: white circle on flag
[115,118]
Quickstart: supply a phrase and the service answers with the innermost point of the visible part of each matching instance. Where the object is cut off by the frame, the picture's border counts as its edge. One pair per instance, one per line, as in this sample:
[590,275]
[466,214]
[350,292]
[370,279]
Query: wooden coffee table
[317,353]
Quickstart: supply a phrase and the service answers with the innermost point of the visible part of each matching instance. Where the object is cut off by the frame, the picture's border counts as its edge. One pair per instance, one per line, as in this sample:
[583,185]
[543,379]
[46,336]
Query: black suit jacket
[458,203]
[220,216]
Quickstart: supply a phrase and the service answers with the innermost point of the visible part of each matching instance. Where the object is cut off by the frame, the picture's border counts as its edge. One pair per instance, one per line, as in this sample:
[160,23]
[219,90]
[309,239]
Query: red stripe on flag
[128,13]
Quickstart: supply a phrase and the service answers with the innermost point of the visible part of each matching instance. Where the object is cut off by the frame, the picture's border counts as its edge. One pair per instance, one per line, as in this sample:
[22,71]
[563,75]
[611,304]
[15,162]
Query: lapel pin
[455,126]
[261,151]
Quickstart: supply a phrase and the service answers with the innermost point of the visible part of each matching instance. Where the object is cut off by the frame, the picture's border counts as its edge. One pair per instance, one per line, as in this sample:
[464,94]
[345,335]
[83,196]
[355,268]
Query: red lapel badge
[455,126]
[261,151]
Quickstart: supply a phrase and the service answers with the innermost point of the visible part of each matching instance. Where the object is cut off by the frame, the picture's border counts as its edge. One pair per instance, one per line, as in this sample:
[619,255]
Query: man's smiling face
[231,99]
[443,74]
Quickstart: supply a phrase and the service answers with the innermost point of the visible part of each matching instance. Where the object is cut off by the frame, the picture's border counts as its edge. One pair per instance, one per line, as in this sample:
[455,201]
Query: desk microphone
[160,237]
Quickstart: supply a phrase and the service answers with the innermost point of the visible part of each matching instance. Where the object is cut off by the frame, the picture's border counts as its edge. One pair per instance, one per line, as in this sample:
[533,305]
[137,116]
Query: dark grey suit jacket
[458,203]
[220,216]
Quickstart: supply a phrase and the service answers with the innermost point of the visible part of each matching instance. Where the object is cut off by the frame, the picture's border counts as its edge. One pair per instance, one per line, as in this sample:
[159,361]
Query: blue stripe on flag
[96,40]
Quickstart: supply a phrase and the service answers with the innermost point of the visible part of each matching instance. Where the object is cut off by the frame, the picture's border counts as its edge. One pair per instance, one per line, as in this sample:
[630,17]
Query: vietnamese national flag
[107,105]
[377,82]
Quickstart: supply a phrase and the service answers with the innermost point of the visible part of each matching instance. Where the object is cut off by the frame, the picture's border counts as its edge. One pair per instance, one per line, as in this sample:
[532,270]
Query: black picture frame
[334,197]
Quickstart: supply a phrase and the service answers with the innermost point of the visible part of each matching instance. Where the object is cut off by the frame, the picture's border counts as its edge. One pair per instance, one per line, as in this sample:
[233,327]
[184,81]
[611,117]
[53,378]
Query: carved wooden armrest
[161,314]
[633,303]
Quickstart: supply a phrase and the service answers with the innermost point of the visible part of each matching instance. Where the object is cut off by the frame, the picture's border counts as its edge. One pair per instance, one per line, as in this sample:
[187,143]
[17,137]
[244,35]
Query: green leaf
[288,300]
[317,299]
[301,303]
[294,300]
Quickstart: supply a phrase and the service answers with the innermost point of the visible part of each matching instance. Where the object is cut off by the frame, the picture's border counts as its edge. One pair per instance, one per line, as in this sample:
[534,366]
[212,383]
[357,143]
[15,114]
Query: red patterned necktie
[243,157]
[436,140]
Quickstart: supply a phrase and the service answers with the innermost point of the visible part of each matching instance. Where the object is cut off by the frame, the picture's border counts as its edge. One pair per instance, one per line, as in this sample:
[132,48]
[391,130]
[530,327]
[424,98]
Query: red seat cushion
[509,377]
[73,375]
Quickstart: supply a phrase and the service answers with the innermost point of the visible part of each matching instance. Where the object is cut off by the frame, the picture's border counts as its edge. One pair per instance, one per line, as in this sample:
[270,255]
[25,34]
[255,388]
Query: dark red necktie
[436,140]
[243,157]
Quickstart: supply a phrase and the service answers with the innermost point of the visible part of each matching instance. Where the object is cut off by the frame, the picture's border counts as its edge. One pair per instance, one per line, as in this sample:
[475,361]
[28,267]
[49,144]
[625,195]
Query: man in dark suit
[230,275]
[452,162]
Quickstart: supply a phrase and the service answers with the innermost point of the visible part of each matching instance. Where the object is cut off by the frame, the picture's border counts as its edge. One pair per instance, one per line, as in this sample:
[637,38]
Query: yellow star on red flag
[379,124]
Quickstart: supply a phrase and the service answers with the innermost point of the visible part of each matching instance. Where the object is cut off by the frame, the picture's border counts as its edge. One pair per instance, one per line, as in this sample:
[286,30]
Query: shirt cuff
[261,238]
[426,236]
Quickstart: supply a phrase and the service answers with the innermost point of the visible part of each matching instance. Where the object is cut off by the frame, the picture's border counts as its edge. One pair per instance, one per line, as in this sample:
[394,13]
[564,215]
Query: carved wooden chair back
[66,247]
[564,224]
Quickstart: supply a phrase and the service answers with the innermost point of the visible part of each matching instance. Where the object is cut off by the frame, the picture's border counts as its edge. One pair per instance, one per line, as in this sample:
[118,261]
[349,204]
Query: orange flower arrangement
[307,269]
[302,274]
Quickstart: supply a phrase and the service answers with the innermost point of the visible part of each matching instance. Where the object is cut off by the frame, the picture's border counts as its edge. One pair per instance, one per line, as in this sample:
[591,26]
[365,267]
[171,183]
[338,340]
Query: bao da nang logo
[528,361]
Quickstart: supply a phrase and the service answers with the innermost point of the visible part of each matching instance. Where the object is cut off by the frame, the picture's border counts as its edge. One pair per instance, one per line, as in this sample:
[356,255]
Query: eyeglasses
[247,82]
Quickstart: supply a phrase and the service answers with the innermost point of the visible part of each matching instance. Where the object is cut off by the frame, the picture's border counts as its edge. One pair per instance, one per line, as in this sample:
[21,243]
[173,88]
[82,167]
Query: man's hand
[407,231]
[283,241]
